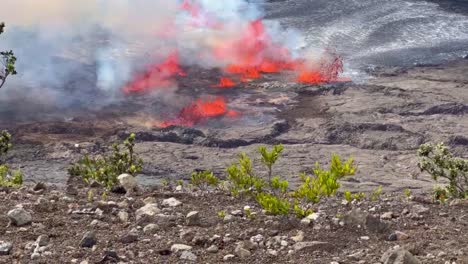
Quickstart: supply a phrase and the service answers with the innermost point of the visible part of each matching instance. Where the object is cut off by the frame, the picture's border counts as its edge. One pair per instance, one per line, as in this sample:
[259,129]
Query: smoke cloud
[81,53]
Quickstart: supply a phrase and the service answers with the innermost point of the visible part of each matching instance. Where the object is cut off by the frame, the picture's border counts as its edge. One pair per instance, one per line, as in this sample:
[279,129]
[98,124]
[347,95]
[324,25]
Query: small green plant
[301,212]
[105,170]
[90,195]
[440,163]
[5,143]
[204,179]
[269,158]
[180,183]
[248,212]
[104,196]
[324,182]
[222,214]
[407,193]
[348,196]
[375,195]
[242,179]
[10,178]
[272,204]
[440,194]
[165,182]
[278,184]
[359,196]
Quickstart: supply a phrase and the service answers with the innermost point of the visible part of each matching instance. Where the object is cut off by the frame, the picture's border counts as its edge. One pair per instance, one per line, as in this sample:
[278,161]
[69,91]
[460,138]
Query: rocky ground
[168,224]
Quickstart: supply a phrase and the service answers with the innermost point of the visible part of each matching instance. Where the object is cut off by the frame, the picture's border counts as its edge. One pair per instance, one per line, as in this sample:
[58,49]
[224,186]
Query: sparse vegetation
[324,183]
[375,195]
[221,214]
[8,178]
[440,194]
[204,179]
[105,170]
[407,193]
[242,178]
[273,204]
[269,158]
[8,60]
[272,194]
[440,163]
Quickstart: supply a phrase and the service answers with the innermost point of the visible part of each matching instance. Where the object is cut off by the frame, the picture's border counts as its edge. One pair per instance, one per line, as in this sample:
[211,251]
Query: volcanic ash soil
[171,224]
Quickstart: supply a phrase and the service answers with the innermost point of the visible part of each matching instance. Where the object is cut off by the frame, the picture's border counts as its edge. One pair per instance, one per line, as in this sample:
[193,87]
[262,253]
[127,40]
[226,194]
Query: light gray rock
[299,237]
[147,210]
[237,213]
[128,182]
[35,255]
[399,256]
[212,249]
[180,247]
[19,217]
[228,218]
[272,252]
[192,218]
[187,255]
[123,216]
[229,257]
[313,246]
[150,229]
[5,248]
[171,202]
[241,252]
[387,216]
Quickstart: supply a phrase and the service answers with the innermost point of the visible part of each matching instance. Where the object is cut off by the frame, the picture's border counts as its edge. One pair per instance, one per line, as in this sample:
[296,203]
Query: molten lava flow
[328,72]
[225,82]
[156,76]
[199,111]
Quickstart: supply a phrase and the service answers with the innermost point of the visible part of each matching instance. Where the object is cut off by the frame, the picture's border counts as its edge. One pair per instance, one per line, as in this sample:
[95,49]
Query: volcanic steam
[141,48]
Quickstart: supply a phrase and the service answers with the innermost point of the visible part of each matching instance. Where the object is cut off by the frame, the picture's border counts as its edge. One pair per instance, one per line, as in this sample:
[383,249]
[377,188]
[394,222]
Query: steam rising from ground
[83,52]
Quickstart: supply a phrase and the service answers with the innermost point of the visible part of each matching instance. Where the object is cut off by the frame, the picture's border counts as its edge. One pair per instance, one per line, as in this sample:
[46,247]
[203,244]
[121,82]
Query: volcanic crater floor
[380,123]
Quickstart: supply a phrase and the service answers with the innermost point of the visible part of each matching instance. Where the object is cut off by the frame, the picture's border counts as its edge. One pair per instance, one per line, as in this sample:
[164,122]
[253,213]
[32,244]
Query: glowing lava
[156,76]
[225,82]
[199,111]
[244,55]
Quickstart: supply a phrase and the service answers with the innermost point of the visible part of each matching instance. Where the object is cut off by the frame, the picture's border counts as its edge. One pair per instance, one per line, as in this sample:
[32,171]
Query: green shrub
[440,194]
[105,170]
[242,179]
[204,179]
[270,158]
[5,143]
[221,214]
[10,178]
[301,212]
[348,196]
[278,184]
[7,62]
[375,195]
[324,182]
[440,163]
[272,204]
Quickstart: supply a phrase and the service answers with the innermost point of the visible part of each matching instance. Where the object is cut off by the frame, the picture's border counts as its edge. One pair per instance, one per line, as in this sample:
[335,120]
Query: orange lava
[225,82]
[199,111]
[156,76]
